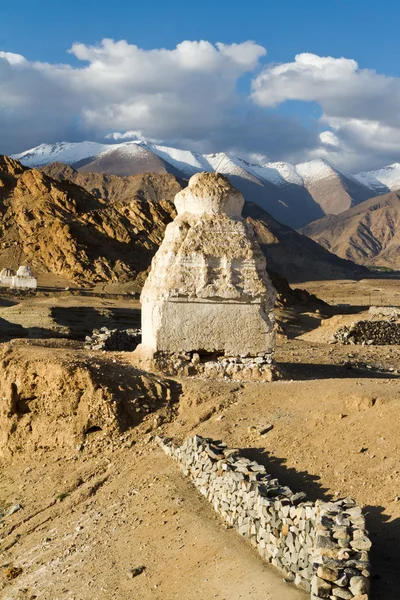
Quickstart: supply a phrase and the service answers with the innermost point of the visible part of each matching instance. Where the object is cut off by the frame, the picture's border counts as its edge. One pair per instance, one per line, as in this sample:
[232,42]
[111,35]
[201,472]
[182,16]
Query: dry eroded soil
[97,505]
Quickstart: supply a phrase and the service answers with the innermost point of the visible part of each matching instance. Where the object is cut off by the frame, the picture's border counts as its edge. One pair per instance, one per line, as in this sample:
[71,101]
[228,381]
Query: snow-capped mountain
[382,180]
[293,194]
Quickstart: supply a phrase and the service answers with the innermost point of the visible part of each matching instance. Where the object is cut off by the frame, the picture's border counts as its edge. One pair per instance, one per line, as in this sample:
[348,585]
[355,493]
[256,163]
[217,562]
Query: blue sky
[363,31]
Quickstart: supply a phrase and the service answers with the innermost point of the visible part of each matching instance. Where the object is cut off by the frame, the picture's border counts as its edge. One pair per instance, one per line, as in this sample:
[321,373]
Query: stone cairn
[113,339]
[207,304]
[370,333]
[322,547]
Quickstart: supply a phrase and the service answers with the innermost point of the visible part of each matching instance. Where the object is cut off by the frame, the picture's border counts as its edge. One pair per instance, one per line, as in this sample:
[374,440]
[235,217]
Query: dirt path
[143,512]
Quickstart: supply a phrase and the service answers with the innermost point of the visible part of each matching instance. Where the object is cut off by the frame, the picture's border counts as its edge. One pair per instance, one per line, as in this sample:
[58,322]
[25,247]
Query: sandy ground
[366,292]
[95,511]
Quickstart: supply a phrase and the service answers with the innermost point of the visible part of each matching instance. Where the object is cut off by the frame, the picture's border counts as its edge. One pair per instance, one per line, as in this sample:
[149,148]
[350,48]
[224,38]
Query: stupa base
[212,366]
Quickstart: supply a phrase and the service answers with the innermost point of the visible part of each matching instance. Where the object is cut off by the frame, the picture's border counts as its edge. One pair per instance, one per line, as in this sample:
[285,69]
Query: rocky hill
[367,234]
[92,228]
[60,227]
[293,194]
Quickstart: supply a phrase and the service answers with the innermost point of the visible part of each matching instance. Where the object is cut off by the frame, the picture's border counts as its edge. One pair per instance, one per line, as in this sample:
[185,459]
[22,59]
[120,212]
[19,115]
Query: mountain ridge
[368,234]
[96,228]
[294,194]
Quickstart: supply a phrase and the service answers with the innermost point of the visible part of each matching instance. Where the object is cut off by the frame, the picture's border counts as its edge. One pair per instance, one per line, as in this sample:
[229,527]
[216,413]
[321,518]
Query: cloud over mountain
[207,97]
[360,106]
[188,93]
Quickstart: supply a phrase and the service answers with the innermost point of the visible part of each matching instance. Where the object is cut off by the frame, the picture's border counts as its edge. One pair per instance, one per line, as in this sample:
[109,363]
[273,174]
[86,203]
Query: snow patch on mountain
[231,166]
[315,170]
[65,152]
[280,174]
[186,161]
[133,149]
[381,180]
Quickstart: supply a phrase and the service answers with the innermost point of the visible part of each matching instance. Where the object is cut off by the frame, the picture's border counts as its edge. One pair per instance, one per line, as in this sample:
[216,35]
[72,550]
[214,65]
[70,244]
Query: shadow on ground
[384,533]
[385,554]
[81,320]
[298,481]
[308,371]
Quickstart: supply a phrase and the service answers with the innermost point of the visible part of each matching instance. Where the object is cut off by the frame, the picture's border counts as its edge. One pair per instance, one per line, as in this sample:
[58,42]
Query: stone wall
[322,547]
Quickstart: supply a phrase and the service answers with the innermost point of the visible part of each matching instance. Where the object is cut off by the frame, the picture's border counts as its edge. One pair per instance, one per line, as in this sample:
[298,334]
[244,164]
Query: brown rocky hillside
[288,253]
[59,227]
[93,228]
[368,234]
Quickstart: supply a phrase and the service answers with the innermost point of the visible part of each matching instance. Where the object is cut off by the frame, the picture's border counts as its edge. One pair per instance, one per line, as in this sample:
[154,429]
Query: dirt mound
[55,398]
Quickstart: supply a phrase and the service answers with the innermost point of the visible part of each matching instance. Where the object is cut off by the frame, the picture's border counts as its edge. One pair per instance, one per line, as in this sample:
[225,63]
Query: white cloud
[188,96]
[184,93]
[360,106]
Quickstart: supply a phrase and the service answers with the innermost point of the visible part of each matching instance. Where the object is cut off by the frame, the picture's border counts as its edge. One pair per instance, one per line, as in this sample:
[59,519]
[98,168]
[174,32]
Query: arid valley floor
[98,502]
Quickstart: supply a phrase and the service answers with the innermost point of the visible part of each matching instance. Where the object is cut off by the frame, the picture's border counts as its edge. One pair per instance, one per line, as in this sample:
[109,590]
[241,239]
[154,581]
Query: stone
[320,588]
[359,585]
[327,573]
[298,497]
[136,571]
[323,541]
[13,509]
[343,581]
[362,543]
[342,593]
[266,429]
[208,274]
[340,533]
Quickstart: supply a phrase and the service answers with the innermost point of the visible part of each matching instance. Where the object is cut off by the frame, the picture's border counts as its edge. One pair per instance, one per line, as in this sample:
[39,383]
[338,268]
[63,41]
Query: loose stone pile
[370,333]
[321,547]
[236,367]
[113,339]
[384,311]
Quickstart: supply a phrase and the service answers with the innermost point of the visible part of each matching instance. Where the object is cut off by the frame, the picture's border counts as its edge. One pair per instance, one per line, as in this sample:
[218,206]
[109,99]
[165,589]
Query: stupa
[6,277]
[24,278]
[208,303]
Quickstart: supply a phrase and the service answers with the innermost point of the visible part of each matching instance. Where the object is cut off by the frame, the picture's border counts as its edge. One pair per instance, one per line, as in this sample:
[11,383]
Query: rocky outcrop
[61,228]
